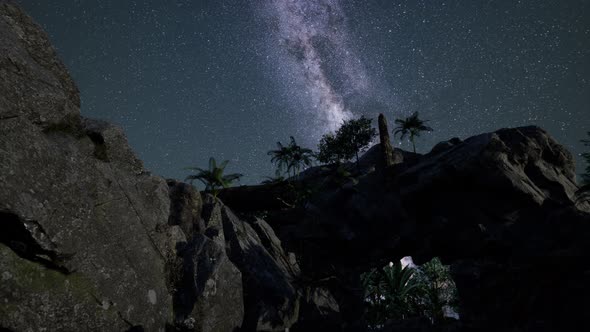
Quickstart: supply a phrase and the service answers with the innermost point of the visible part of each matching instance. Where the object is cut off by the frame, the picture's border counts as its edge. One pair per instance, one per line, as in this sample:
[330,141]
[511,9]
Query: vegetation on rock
[213,178]
[439,290]
[353,137]
[411,126]
[392,292]
[290,158]
[400,292]
[330,151]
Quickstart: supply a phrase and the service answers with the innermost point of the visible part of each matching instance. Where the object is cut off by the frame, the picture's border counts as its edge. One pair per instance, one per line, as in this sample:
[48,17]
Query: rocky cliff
[89,240]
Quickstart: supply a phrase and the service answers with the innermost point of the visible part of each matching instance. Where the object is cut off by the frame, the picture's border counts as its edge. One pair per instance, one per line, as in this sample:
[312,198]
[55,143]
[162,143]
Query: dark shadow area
[186,294]
[29,241]
[135,328]
[100,148]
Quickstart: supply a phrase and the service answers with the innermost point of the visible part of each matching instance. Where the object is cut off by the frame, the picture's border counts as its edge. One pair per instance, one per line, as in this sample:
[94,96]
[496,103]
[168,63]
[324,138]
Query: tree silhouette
[213,177]
[299,157]
[330,150]
[291,158]
[356,135]
[412,126]
[280,157]
[353,137]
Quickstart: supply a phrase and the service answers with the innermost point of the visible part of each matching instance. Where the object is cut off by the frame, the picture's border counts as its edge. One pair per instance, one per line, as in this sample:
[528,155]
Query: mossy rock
[35,297]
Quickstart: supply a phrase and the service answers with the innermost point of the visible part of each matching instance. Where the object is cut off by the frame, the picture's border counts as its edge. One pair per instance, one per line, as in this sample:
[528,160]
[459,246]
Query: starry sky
[190,79]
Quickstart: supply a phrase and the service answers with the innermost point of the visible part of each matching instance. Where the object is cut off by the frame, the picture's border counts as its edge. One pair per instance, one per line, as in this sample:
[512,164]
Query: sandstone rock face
[87,225]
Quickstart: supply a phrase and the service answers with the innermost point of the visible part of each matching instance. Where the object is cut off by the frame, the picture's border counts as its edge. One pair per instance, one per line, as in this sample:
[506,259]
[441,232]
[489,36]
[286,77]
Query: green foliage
[391,293]
[213,177]
[586,156]
[396,292]
[412,126]
[290,158]
[330,150]
[352,137]
[439,289]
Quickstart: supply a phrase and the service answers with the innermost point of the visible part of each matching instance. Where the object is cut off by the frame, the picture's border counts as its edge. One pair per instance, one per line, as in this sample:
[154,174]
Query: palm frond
[223,165]
[213,178]
[212,164]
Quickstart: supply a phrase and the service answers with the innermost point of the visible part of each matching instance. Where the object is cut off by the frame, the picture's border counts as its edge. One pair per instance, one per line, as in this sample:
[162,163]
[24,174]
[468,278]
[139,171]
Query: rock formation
[90,240]
[502,208]
[83,244]
[384,141]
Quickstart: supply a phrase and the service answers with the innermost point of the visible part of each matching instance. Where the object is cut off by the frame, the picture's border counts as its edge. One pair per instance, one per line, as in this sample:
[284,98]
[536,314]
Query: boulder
[524,161]
[209,293]
[271,300]
[186,206]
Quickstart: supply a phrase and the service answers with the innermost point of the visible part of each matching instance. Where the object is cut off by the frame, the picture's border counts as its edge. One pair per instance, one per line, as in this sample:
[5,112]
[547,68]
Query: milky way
[312,47]
[188,79]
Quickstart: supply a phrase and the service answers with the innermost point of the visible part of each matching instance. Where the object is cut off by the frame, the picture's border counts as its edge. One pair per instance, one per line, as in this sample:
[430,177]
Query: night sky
[190,79]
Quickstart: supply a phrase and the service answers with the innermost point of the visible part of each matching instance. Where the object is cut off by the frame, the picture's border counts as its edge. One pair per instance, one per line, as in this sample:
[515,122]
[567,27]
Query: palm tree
[391,292]
[280,157]
[300,157]
[213,177]
[291,157]
[412,126]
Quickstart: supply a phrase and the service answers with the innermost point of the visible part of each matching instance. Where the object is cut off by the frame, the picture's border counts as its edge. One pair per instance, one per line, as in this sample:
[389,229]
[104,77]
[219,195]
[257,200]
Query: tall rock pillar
[386,149]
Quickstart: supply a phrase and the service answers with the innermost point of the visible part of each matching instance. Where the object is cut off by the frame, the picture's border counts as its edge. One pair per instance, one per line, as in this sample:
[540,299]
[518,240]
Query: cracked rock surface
[86,212]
